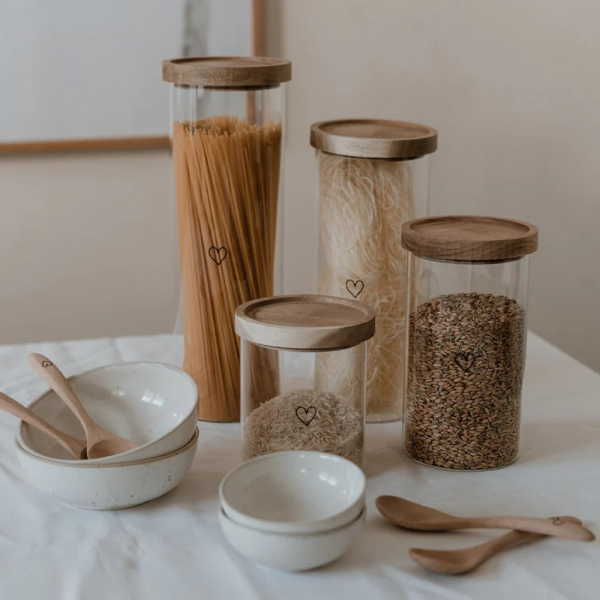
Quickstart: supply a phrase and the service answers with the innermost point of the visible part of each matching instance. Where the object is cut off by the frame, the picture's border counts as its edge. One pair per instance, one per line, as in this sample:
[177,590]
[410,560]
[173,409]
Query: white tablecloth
[172,548]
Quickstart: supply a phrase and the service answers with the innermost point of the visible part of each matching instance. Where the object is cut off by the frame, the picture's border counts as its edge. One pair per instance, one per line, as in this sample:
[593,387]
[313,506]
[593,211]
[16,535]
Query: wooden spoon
[77,448]
[455,562]
[411,515]
[100,443]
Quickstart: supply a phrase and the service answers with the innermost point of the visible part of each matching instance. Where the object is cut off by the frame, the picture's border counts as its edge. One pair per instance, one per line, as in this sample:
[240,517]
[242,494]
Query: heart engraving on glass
[306,415]
[464,360]
[218,254]
[355,287]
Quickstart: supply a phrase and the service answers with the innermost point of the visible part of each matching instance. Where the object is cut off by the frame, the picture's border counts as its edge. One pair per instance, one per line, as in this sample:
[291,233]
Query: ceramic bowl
[152,404]
[291,551]
[108,486]
[294,492]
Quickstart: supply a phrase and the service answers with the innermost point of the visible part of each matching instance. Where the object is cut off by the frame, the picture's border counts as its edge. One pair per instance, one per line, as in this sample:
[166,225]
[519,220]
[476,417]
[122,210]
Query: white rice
[275,426]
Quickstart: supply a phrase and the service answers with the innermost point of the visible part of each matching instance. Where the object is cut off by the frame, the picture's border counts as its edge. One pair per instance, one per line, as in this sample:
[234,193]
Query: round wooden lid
[373,138]
[305,322]
[228,71]
[469,239]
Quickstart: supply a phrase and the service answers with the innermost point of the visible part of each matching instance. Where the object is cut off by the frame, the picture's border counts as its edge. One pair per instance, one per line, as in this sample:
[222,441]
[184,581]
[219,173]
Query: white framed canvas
[73,71]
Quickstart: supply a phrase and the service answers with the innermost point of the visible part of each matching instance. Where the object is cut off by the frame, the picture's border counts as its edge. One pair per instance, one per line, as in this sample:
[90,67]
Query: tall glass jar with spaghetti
[373,176]
[227,128]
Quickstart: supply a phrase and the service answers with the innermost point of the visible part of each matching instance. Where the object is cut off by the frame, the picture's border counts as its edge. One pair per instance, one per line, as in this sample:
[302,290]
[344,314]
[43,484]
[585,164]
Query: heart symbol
[311,410]
[355,287]
[46,363]
[464,360]
[218,254]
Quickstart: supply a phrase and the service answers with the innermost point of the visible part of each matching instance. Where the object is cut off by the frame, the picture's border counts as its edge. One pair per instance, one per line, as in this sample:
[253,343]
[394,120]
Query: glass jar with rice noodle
[467,330]
[298,409]
[373,176]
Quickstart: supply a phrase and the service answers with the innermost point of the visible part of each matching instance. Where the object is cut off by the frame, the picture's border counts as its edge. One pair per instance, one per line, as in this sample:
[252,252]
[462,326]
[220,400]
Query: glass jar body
[466,340]
[362,206]
[227,153]
[289,402]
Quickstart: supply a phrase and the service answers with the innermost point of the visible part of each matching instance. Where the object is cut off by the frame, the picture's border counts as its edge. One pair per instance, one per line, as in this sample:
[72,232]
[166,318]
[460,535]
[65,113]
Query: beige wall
[88,242]
[87,246]
[513,89]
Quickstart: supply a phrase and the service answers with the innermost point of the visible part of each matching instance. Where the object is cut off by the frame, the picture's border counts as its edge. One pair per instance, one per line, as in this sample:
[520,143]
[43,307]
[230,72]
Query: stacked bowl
[293,511]
[153,405]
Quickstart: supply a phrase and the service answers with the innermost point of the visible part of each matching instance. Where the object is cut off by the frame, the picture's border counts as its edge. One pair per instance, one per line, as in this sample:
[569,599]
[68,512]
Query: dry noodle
[227,182]
[363,204]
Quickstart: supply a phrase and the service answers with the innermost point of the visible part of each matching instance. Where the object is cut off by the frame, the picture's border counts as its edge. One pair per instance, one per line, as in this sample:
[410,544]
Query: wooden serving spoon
[455,562]
[100,443]
[76,447]
[411,515]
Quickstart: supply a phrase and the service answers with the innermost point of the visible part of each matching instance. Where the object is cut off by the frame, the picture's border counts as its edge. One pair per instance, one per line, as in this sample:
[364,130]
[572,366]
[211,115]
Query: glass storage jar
[373,175]
[227,127]
[292,349]
[467,330]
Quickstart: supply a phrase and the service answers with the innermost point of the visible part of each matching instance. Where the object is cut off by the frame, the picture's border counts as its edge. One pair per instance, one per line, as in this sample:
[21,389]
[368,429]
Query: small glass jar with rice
[293,349]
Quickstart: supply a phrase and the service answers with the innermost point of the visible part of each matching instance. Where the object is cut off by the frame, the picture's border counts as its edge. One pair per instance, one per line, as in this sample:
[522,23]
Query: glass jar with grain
[467,330]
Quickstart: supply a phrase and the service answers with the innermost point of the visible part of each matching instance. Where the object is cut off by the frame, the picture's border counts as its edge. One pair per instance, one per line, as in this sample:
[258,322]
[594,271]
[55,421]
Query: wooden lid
[228,71]
[373,138]
[305,322]
[469,239]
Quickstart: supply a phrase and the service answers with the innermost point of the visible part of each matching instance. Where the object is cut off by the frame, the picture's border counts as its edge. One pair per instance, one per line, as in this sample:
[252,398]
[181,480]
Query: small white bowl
[291,551]
[294,492]
[108,486]
[152,404]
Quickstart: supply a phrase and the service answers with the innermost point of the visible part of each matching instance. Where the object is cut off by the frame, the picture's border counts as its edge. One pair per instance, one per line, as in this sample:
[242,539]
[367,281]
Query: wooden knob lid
[305,322]
[228,71]
[374,138]
[469,239]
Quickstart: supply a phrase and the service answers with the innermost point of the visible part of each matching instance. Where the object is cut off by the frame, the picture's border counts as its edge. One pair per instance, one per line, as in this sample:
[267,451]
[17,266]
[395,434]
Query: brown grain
[465,373]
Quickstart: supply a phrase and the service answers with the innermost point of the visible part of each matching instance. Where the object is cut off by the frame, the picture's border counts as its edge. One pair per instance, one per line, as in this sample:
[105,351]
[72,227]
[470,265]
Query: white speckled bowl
[294,492]
[291,551]
[108,486]
[152,404]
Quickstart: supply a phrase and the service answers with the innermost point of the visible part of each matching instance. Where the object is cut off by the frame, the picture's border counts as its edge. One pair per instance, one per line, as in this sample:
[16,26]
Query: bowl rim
[107,459]
[56,462]
[326,523]
[361,515]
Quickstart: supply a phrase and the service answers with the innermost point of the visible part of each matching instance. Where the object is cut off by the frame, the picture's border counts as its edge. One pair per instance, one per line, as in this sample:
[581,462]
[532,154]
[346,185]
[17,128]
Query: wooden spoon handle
[514,537]
[53,376]
[556,526]
[455,562]
[72,445]
[508,539]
